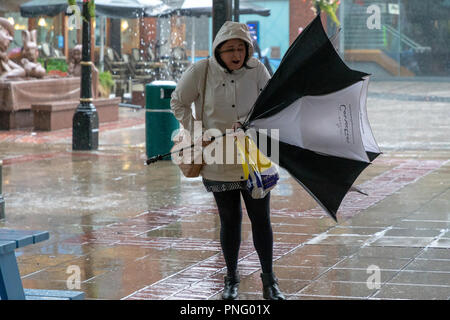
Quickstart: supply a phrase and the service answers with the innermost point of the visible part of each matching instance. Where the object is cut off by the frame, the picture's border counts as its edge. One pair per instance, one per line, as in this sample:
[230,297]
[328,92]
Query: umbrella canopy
[129,9]
[199,8]
[319,106]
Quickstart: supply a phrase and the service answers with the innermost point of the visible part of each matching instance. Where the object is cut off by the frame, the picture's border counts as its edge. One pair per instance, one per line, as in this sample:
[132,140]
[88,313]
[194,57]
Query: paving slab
[145,232]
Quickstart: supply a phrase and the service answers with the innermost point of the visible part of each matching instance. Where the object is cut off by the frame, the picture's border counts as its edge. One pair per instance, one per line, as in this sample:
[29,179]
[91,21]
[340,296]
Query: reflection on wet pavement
[139,232]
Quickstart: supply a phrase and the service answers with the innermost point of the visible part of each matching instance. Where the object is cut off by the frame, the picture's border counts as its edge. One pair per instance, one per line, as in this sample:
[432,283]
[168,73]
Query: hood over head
[233,30]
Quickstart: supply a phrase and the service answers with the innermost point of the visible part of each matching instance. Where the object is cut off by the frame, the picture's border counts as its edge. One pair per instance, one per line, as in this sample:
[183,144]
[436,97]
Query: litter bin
[159,120]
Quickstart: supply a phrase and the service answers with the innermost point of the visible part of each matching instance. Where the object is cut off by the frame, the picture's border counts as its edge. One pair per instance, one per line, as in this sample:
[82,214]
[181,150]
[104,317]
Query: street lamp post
[318,10]
[85,119]
[221,12]
[236,11]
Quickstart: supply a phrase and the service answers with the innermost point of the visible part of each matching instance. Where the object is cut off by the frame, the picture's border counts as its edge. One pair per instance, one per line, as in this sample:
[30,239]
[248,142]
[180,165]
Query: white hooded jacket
[229,97]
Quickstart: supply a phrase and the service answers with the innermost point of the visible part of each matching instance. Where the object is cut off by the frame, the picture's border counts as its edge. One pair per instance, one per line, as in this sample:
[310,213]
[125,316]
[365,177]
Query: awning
[199,8]
[129,9]
[10,5]
[36,8]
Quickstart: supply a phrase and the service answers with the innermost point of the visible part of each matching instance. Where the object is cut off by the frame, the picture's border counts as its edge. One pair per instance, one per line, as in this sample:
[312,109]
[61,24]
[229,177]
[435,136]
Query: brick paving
[159,239]
[203,279]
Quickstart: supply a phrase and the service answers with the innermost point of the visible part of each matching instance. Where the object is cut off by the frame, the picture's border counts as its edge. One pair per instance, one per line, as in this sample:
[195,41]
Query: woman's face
[233,53]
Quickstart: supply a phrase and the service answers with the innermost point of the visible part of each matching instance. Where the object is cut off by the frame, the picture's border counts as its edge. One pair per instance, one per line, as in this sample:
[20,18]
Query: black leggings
[230,212]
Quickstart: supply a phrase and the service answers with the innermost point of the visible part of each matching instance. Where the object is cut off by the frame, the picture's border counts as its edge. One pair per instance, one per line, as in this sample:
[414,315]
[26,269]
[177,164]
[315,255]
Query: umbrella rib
[276,74]
[261,115]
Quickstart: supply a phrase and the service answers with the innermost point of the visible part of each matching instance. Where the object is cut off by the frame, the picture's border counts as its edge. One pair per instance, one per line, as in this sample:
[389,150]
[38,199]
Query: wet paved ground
[138,232]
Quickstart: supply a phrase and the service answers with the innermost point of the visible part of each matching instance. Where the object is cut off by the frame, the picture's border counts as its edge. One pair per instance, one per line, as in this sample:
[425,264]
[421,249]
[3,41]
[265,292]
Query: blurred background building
[387,38]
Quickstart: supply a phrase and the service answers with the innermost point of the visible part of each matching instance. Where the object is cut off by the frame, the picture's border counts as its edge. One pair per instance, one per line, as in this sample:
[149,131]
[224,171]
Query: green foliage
[54,64]
[57,64]
[91,7]
[329,6]
[106,80]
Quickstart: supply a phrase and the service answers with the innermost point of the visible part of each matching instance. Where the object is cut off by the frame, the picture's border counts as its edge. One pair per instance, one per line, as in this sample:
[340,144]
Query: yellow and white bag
[262,176]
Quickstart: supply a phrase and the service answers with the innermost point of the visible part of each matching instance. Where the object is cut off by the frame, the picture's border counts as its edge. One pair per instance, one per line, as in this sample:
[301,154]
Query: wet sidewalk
[139,232]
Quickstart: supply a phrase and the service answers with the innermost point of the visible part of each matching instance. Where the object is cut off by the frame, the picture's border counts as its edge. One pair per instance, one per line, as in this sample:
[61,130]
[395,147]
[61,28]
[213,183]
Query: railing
[405,40]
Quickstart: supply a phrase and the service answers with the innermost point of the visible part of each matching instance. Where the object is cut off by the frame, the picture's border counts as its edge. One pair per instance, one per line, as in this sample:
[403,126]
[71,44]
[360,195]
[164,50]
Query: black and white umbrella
[319,106]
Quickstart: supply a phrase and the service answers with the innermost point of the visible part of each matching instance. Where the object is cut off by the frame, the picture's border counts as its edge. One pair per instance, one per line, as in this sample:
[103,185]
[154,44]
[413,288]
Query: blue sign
[60,41]
[253,26]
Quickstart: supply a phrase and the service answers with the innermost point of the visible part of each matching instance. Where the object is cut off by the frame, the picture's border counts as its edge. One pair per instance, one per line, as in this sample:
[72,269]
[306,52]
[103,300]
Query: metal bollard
[2,201]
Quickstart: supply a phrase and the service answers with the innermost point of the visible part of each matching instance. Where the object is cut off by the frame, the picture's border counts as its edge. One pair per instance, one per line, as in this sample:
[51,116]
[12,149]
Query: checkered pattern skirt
[221,186]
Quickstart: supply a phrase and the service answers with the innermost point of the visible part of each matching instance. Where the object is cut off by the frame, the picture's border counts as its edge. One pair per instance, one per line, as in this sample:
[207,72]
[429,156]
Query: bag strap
[204,89]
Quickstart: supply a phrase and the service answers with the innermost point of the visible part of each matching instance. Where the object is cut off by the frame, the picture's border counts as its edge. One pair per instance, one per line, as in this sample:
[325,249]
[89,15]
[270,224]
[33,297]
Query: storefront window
[72,37]
[129,34]
[19,24]
[391,38]
[45,30]
[387,38]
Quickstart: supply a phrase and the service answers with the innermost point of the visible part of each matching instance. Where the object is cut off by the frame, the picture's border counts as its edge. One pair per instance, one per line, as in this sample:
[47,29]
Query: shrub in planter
[106,83]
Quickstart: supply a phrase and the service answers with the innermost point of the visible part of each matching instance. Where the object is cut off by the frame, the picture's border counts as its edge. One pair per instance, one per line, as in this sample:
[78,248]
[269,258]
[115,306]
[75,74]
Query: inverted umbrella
[319,106]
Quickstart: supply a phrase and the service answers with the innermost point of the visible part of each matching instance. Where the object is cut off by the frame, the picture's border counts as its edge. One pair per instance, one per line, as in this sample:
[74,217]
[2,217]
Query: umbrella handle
[155,158]
[160,157]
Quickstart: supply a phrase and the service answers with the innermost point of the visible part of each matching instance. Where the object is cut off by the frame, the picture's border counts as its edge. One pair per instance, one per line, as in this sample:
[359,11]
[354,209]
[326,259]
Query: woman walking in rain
[234,80]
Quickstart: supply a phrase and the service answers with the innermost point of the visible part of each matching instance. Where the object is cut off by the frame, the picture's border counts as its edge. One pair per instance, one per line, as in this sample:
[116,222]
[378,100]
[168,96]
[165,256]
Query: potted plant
[328,6]
[106,83]
[56,67]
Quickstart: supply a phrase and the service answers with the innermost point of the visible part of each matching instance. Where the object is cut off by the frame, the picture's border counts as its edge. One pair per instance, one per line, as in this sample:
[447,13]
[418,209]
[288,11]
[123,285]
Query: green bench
[10,282]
